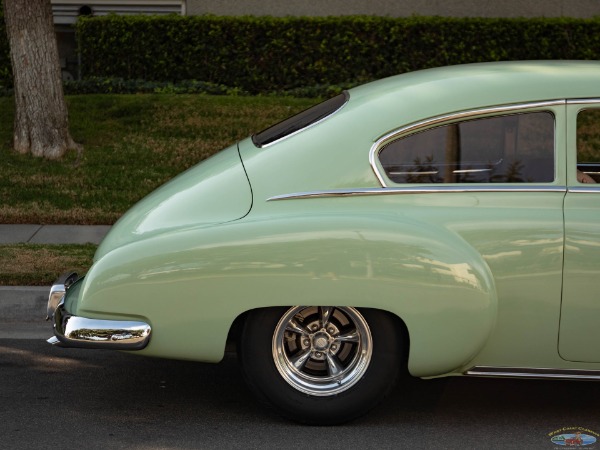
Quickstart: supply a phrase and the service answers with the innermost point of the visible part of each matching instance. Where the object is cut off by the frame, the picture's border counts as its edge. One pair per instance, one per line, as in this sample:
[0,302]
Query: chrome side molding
[350,192]
[584,189]
[532,372]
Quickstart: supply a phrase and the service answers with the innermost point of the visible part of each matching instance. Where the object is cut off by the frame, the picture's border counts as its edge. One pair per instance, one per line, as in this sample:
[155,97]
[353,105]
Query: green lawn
[40,265]
[132,144]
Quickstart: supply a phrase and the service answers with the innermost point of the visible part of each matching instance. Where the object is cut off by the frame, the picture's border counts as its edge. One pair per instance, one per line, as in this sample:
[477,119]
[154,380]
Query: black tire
[293,394]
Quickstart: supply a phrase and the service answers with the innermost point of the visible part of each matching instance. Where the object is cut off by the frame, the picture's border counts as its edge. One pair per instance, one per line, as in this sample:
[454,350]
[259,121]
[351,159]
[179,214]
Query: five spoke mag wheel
[322,350]
[320,364]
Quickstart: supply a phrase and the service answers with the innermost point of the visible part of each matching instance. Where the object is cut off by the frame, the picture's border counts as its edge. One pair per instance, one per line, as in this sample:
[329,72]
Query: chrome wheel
[322,350]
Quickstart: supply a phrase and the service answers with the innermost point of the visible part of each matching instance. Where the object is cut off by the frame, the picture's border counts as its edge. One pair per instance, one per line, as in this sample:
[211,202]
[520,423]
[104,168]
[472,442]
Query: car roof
[385,104]
[496,81]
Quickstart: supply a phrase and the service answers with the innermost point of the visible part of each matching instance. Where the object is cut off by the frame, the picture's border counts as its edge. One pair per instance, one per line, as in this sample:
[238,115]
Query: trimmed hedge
[99,85]
[265,54]
[299,55]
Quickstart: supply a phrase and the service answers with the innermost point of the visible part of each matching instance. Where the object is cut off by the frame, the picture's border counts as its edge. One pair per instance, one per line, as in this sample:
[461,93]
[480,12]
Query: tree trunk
[41,121]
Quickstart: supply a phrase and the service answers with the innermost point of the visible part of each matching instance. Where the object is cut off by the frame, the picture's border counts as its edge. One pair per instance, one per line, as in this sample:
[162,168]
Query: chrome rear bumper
[82,332]
[57,292]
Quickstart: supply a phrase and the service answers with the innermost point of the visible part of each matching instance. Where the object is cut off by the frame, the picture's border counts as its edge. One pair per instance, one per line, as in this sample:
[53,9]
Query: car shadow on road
[120,396]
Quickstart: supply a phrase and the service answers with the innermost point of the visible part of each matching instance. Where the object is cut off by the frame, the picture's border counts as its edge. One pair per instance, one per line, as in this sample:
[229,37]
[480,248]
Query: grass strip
[40,265]
[132,144]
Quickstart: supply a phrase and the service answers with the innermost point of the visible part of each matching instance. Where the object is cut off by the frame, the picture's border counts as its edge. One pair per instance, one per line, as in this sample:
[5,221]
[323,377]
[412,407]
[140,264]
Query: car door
[579,337]
[499,183]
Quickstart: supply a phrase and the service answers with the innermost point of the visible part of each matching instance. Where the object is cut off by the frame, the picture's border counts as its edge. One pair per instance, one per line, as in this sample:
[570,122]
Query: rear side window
[300,121]
[516,148]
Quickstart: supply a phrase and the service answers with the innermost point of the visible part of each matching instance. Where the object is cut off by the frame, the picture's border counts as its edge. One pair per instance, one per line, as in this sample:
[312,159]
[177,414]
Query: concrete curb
[23,308]
[23,303]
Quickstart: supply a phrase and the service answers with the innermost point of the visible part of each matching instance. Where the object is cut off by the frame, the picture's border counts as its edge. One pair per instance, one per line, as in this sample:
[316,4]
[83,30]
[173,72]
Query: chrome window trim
[533,372]
[584,189]
[439,120]
[417,190]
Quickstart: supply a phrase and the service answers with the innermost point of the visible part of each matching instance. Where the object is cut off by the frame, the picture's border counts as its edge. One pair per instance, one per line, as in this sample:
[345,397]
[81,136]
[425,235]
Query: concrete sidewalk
[23,308]
[52,234]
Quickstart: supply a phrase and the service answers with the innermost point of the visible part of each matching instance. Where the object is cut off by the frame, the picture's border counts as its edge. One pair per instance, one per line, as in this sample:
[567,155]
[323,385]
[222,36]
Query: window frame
[461,116]
[576,107]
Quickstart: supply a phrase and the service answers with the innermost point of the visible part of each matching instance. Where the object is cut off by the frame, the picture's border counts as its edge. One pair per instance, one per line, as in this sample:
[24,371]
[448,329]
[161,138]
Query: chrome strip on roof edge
[383,140]
[416,190]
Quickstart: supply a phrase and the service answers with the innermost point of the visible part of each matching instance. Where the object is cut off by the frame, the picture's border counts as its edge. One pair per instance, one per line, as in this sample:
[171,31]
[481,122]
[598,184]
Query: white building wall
[398,8]
[65,12]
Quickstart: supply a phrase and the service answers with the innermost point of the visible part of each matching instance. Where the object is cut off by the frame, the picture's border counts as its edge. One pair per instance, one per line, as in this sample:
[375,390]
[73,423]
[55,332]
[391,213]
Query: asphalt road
[95,399]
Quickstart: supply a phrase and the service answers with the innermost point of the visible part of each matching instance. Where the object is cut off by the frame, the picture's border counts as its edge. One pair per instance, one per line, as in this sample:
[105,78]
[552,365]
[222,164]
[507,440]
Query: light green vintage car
[443,222]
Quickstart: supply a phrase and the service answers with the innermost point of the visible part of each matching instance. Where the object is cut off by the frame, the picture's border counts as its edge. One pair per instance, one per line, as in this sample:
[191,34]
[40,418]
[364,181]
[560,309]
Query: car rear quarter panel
[513,240]
[191,285]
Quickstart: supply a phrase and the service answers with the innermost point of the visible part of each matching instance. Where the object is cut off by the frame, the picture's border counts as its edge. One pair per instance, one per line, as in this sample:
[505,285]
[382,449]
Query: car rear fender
[192,284]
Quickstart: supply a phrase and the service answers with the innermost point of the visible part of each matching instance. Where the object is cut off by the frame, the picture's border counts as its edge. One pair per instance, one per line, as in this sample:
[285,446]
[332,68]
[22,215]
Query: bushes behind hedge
[258,54]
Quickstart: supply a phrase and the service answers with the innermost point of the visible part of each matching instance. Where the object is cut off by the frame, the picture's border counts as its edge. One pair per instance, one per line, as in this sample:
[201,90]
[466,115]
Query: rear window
[300,121]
